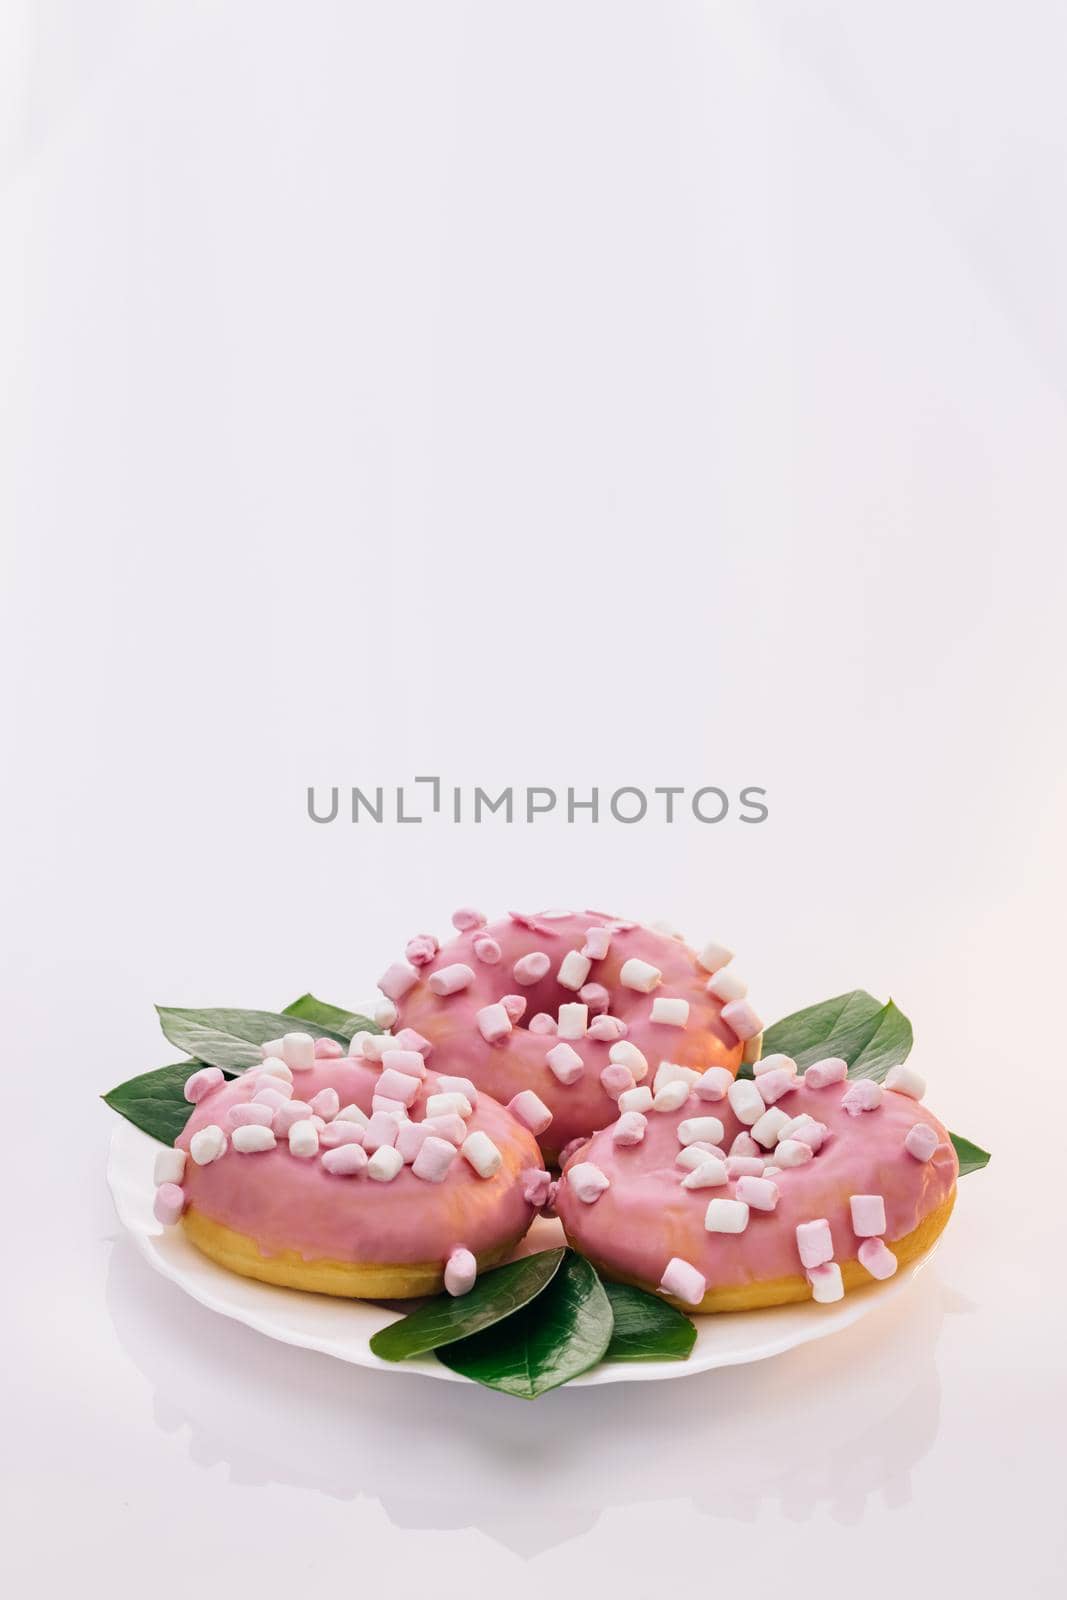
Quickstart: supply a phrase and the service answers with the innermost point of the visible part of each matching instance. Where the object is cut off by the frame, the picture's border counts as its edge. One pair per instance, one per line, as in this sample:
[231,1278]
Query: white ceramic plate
[344,1328]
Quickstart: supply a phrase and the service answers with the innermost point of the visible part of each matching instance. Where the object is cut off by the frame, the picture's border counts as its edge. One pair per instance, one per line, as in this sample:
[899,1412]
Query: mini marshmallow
[714,956]
[482,1154]
[366,1046]
[792,1153]
[487,950]
[744,1167]
[596,997]
[921,1141]
[252,1138]
[451,1127]
[691,1156]
[726,1216]
[272,1048]
[745,1145]
[381,1131]
[727,984]
[741,1017]
[326,1104]
[531,969]
[573,1020]
[409,1062]
[615,1080]
[759,1194]
[385,1013]
[541,1022]
[672,1097]
[629,1129]
[346,1161]
[806,1129]
[170,1164]
[573,970]
[868,1215]
[571,1148]
[304,1139]
[421,950]
[408,1039]
[765,1129]
[168,1205]
[770,1170]
[328,1050]
[565,1063]
[392,1108]
[298,1051]
[467,918]
[863,1095]
[607,1029]
[537,1187]
[670,1072]
[746,1102]
[274,1067]
[515,1006]
[452,1085]
[433,1160]
[398,979]
[821,1074]
[274,1099]
[639,975]
[876,1256]
[714,1084]
[493,1022]
[207,1145]
[587,1181]
[384,1164]
[444,1105]
[639,1099]
[826,1283]
[814,1242]
[776,1062]
[625,1054]
[202,1083]
[451,980]
[597,943]
[336,1133]
[673,1013]
[773,1085]
[461,1272]
[711,1174]
[905,1080]
[410,1138]
[709,1129]
[530,1110]
[399,1086]
[352,1113]
[683,1282]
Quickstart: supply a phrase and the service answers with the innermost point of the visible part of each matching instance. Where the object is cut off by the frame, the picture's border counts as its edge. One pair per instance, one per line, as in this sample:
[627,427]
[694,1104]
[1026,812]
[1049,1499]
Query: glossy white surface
[595,391]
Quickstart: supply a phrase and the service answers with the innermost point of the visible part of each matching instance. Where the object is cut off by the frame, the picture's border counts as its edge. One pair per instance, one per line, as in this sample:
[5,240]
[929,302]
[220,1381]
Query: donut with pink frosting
[367,1177]
[783,1188]
[566,1016]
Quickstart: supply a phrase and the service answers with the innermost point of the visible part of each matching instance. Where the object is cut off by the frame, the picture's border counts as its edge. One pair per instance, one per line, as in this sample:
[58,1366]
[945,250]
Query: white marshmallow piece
[826,1283]
[384,1164]
[714,1084]
[461,1272]
[640,975]
[905,1080]
[792,1153]
[409,1062]
[273,1047]
[452,1085]
[671,1072]
[672,1097]
[639,1099]
[711,1174]
[352,1113]
[868,1215]
[597,943]
[876,1256]
[625,1054]
[765,1129]
[759,1194]
[207,1145]
[432,1160]
[493,1022]
[392,1085]
[275,1067]
[727,984]
[304,1139]
[681,1281]
[482,1154]
[714,956]
[672,1013]
[587,1181]
[298,1051]
[629,1129]
[726,1216]
[530,1110]
[573,1020]
[451,980]
[776,1062]
[821,1074]
[746,1102]
[443,1105]
[573,970]
[709,1129]
[814,1242]
[565,1063]
[921,1141]
[691,1156]
[385,1013]
[169,1167]
[252,1137]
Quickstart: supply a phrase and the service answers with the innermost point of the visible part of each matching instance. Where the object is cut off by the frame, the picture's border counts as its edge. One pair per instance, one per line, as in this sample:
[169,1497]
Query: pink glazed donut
[786,1188]
[566,1016]
[354,1177]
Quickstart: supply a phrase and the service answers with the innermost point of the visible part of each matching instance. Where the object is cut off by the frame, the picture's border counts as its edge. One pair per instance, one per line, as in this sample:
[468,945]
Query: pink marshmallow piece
[758,1193]
[565,1063]
[821,1074]
[493,1023]
[380,1130]
[449,1084]
[597,943]
[616,1079]
[421,950]
[434,1159]
[826,1283]
[745,1145]
[814,1243]
[863,1095]
[609,1030]
[487,950]
[452,979]
[542,1023]
[531,969]
[530,1110]
[742,1019]
[450,1125]
[326,1104]
[921,1141]
[515,1006]
[168,1205]
[273,1098]
[876,1256]
[397,979]
[467,918]
[410,1138]
[587,1181]
[345,1160]
[868,1215]
[328,1050]
[537,1187]
[744,1167]
[714,1084]
[683,1282]
[596,997]
[337,1133]
[202,1083]
[461,1272]
[773,1085]
[394,1085]
[287,1113]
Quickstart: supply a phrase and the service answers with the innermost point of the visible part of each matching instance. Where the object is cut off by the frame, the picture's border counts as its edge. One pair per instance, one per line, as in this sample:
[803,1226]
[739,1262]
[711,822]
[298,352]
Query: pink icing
[646,1218]
[515,1060]
[290,1204]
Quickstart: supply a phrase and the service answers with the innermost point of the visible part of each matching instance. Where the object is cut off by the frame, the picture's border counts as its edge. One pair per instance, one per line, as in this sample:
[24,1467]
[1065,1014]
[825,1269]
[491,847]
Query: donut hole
[546,995]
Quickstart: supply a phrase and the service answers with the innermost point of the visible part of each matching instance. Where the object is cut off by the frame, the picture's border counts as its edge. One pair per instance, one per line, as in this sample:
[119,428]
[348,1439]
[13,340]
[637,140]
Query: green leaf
[646,1328]
[155,1101]
[229,1038]
[561,1334]
[496,1294]
[344,1023]
[972,1157]
[870,1036]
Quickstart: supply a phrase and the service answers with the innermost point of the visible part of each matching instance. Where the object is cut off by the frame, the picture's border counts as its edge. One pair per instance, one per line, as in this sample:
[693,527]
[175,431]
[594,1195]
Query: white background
[557,393]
